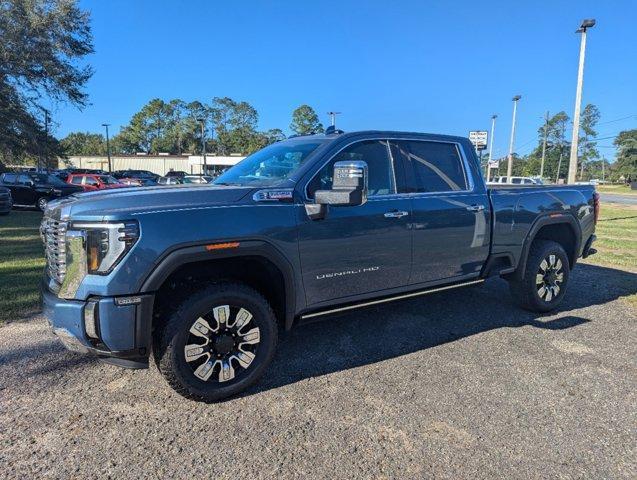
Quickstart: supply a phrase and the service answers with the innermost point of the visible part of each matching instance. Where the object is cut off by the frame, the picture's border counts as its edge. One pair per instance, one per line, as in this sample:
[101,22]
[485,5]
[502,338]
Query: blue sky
[441,67]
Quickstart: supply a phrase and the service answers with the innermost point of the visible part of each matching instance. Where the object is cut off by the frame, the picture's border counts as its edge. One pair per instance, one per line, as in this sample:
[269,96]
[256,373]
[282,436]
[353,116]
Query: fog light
[91,319]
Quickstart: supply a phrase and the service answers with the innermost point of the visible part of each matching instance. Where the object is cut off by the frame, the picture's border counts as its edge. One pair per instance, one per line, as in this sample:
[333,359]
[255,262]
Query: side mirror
[349,186]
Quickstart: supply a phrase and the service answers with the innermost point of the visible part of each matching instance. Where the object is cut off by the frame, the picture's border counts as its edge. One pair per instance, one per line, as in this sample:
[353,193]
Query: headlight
[107,243]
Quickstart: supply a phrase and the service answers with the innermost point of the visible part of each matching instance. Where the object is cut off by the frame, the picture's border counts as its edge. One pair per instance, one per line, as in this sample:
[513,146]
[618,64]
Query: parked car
[169,181]
[176,173]
[198,179]
[6,202]
[140,174]
[36,189]
[131,182]
[305,228]
[518,180]
[90,182]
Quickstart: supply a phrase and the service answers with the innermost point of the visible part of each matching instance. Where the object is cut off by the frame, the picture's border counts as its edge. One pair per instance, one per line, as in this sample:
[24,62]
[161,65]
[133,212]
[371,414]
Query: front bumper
[124,331]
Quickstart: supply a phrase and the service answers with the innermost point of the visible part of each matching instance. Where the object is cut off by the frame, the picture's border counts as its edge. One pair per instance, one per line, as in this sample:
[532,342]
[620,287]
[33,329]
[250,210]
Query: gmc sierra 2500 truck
[203,278]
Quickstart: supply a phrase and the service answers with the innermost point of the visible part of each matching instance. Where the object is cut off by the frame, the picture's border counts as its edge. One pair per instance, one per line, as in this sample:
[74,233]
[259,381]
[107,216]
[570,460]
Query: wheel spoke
[539,279]
[549,295]
[544,266]
[193,351]
[201,328]
[222,315]
[244,358]
[204,370]
[243,317]
[556,290]
[227,371]
[542,291]
[552,260]
[559,277]
[558,265]
[252,337]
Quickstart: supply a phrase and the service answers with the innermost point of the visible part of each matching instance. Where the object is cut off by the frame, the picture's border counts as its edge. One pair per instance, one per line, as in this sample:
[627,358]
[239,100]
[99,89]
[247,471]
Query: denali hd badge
[347,272]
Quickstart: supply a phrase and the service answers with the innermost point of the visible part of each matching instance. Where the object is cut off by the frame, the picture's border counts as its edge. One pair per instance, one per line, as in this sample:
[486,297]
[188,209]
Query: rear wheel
[545,279]
[42,203]
[217,342]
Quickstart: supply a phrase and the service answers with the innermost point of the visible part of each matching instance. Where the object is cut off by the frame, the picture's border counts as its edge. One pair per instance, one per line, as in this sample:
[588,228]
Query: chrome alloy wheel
[549,278]
[230,343]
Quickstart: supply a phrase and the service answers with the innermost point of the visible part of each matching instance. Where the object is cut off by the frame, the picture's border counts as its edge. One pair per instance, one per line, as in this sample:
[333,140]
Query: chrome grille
[53,235]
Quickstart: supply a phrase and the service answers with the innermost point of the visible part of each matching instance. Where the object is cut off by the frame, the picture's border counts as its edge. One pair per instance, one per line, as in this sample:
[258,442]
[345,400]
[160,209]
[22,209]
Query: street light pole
[546,130]
[203,144]
[46,140]
[510,159]
[572,165]
[493,117]
[108,147]
[333,117]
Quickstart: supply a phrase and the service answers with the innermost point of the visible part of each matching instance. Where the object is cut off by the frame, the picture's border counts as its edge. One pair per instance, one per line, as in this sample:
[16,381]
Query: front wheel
[217,342]
[545,279]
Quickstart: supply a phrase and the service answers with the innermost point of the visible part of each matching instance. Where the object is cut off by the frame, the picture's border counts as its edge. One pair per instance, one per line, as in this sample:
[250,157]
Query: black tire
[41,203]
[528,292]
[176,330]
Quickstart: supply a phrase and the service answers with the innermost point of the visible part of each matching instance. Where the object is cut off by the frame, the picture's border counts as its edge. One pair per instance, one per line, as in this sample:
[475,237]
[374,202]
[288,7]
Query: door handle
[396,214]
[475,208]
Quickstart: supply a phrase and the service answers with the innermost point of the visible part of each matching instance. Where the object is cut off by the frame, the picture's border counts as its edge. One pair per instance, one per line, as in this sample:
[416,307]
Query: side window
[23,179]
[9,178]
[90,181]
[381,170]
[516,181]
[77,180]
[436,166]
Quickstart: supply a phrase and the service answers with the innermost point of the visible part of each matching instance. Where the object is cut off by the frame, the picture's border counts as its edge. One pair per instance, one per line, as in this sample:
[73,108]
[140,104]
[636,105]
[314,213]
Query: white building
[159,164]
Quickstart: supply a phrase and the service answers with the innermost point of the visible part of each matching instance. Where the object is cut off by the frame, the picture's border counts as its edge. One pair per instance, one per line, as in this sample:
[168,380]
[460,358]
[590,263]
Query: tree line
[177,127]
[591,164]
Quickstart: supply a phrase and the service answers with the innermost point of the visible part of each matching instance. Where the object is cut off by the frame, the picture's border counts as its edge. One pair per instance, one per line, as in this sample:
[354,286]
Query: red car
[92,181]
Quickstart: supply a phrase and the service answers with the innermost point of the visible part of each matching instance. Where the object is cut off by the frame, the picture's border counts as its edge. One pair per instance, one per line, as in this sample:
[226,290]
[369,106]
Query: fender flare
[542,221]
[174,259]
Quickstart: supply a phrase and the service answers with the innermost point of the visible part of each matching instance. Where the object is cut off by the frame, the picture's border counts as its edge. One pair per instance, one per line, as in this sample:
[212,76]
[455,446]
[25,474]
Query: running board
[390,299]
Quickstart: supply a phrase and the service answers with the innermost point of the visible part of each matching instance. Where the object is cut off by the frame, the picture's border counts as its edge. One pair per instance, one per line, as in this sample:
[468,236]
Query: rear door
[25,193]
[451,212]
[361,249]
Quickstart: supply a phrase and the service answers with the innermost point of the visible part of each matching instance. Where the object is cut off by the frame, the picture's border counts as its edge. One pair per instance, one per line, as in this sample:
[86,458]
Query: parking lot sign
[479,139]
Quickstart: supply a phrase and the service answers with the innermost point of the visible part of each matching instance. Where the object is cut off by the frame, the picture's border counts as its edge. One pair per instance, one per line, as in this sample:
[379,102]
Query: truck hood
[118,203]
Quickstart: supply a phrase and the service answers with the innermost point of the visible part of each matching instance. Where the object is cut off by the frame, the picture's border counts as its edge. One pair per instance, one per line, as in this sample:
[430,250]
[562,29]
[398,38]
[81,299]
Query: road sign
[494,164]
[479,139]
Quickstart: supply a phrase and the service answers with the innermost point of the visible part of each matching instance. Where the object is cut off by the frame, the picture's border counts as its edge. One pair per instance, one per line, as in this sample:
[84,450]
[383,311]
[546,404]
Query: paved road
[617,198]
[457,385]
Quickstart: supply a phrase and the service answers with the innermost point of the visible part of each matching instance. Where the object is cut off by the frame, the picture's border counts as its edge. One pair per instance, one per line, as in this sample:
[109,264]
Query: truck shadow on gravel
[375,334]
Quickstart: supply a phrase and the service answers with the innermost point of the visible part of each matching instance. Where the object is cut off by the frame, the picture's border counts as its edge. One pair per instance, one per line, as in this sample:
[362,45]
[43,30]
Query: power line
[618,119]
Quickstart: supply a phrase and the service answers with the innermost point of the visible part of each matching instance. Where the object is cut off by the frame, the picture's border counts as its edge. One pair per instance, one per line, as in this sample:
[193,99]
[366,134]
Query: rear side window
[381,179]
[9,178]
[76,180]
[436,167]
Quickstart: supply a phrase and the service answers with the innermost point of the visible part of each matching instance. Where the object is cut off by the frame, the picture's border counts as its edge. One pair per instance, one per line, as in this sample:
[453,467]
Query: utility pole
[203,143]
[45,157]
[559,163]
[546,132]
[333,117]
[510,161]
[572,165]
[603,162]
[493,117]
[108,147]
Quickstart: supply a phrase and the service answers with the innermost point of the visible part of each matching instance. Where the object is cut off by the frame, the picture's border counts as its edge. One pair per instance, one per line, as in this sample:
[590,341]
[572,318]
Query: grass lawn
[617,236]
[21,264]
[617,189]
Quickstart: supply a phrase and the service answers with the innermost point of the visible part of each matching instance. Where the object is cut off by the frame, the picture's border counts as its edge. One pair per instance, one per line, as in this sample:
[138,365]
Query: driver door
[361,249]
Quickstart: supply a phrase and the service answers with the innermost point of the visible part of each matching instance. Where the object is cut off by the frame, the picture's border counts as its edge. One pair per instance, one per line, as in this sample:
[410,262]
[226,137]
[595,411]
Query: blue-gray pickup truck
[203,278]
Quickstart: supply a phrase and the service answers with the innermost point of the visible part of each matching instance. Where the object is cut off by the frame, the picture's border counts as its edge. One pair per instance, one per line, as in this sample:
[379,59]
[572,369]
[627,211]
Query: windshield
[269,166]
[42,178]
[107,179]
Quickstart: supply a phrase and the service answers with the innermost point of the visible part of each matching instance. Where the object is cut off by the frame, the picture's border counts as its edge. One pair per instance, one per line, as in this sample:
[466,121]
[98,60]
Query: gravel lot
[454,385]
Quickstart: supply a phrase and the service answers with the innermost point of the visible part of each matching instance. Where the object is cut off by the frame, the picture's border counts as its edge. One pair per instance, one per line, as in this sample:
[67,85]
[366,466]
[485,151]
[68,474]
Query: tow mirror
[349,189]
[349,186]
